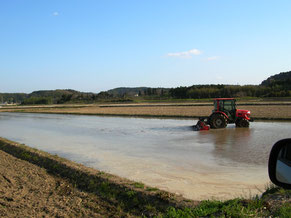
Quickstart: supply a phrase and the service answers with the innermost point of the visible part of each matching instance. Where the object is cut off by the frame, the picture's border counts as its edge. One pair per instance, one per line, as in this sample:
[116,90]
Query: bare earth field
[29,191]
[258,111]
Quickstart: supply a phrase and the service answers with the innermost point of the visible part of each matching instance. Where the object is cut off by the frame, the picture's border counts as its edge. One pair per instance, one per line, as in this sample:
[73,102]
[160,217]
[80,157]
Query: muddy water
[164,153]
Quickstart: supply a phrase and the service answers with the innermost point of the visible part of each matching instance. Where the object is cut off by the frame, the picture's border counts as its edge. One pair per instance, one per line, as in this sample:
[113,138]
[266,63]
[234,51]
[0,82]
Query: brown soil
[29,191]
[280,112]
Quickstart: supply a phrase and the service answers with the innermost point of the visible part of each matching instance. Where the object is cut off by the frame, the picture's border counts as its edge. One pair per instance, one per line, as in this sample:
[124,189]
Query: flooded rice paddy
[164,153]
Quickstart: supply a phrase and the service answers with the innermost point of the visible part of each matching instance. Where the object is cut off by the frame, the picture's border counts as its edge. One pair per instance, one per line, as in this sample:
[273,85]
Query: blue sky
[96,45]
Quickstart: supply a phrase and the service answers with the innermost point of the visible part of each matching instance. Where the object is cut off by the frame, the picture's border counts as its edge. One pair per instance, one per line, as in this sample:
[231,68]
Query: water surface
[165,153]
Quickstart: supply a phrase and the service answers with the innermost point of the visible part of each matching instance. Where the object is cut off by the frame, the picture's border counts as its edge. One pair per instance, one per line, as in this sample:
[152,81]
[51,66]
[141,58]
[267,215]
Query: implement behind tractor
[224,113]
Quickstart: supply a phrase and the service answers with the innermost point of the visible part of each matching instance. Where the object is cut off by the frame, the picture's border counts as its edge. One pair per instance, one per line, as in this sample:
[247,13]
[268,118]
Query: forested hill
[127,91]
[12,97]
[278,85]
[53,93]
[281,79]
[58,96]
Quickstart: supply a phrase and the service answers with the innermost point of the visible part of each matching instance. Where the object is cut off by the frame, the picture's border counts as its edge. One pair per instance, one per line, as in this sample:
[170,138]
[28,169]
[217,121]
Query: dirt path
[29,191]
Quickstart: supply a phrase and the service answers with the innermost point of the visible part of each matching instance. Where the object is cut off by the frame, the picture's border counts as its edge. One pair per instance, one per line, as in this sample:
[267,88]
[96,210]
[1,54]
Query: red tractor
[224,112]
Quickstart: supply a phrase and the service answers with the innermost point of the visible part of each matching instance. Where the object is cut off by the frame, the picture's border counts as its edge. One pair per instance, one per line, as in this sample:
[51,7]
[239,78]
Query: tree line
[227,91]
[278,85]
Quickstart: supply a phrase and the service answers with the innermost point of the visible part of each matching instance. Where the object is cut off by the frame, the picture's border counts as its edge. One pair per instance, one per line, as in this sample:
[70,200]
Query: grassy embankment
[136,199]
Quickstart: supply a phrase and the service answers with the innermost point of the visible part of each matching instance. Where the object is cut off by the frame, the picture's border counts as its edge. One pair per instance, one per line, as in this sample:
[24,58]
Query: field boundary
[192,105]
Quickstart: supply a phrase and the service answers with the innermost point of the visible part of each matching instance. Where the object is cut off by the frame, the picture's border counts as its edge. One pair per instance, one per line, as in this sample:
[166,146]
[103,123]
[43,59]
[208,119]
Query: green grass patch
[256,207]
[272,189]
[151,189]
[283,211]
[130,193]
[138,185]
[231,208]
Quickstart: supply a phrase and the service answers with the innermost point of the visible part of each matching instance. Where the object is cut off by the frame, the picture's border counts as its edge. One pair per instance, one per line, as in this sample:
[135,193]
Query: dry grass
[271,111]
[257,111]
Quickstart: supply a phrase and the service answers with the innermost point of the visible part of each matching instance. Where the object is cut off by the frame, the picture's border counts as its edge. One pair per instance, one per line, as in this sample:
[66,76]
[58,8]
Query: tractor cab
[226,106]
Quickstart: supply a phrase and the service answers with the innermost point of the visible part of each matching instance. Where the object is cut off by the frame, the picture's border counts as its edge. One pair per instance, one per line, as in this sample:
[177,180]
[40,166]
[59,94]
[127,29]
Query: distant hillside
[281,79]
[60,96]
[138,91]
[12,97]
[121,91]
[278,85]
[53,93]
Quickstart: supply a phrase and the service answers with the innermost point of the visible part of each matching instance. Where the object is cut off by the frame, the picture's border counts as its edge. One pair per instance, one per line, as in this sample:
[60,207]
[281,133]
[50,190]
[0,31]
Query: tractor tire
[218,121]
[242,123]
[237,123]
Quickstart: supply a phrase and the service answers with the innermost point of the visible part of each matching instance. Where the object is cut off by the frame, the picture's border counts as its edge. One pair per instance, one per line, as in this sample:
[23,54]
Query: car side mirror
[280,163]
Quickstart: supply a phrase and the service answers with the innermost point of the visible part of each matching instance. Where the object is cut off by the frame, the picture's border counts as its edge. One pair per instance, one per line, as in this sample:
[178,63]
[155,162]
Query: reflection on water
[165,153]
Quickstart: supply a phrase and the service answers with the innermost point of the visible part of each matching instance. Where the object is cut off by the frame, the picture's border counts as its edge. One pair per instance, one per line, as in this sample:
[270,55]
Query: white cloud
[212,58]
[56,13]
[185,54]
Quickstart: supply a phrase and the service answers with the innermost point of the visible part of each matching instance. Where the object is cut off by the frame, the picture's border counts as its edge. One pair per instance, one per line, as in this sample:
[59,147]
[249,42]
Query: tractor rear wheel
[218,121]
[242,123]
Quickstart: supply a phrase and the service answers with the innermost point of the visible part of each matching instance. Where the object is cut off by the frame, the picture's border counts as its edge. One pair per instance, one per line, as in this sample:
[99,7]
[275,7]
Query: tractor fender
[220,112]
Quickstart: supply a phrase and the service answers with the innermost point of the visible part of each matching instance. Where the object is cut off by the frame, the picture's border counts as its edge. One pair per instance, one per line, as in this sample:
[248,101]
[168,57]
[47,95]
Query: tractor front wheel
[218,121]
[242,123]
